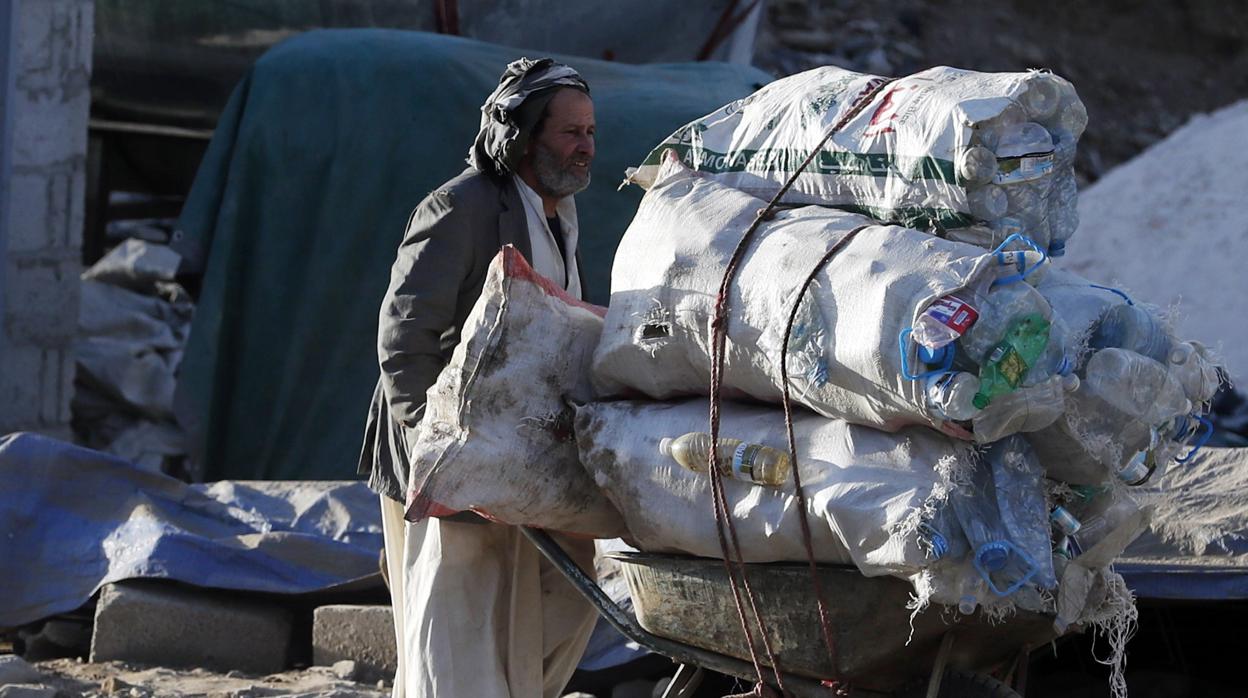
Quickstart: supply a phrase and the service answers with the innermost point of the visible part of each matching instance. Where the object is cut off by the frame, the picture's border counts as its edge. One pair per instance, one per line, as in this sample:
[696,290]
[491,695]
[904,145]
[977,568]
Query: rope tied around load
[734,562]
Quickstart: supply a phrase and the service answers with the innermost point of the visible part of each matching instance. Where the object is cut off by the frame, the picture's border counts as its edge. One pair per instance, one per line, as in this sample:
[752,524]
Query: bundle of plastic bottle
[976,156]
[1004,361]
[1018,169]
[1143,393]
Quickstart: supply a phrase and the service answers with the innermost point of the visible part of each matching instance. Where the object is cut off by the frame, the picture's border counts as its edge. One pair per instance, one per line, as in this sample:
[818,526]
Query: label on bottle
[1023,169]
[743,459]
[954,313]
[1013,367]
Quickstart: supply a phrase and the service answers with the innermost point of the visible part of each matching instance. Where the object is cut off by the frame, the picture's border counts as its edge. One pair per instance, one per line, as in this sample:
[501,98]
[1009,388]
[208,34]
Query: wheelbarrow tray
[878,645]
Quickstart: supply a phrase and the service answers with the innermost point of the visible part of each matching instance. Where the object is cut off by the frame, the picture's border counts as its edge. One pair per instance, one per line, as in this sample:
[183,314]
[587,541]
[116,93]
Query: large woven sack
[898,159]
[845,360]
[496,437]
[865,489]
[871,496]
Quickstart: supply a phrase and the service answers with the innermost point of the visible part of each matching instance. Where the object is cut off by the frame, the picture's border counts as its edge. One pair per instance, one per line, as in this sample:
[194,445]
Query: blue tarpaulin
[73,519]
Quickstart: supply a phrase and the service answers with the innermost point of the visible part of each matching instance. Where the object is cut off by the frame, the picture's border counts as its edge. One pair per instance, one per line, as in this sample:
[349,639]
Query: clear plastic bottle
[1002,562]
[1124,397]
[754,463]
[1128,326]
[989,131]
[1072,118]
[950,395]
[1023,139]
[971,591]
[1063,211]
[941,536]
[976,165]
[1027,409]
[1041,98]
[1104,514]
[988,202]
[942,322]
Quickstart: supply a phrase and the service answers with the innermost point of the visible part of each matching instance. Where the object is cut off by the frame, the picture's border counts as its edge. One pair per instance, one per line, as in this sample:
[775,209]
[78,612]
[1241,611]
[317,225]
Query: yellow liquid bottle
[753,463]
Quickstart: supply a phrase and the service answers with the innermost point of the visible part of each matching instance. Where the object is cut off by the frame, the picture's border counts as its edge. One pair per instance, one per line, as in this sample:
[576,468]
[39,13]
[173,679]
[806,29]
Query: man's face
[563,150]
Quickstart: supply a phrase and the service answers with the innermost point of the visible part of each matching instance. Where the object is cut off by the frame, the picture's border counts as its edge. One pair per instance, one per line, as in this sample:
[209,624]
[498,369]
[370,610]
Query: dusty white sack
[865,489]
[496,437]
[898,159]
[844,355]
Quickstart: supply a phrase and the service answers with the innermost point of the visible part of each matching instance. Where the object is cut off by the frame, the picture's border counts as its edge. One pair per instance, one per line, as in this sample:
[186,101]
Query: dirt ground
[72,677]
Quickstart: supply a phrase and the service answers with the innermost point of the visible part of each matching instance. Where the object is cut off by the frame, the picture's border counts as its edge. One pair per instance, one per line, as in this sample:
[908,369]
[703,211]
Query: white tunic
[546,259]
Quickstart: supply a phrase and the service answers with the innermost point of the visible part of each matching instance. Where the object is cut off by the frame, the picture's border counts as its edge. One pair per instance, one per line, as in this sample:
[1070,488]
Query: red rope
[733,560]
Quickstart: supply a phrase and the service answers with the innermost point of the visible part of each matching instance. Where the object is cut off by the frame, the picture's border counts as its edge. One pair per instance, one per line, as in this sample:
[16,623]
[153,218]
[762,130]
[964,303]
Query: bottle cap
[992,556]
[665,446]
[1057,248]
[1065,521]
[1135,470]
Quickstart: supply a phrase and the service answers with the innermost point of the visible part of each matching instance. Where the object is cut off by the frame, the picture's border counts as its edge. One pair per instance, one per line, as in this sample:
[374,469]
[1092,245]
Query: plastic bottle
[1007,365]
[747,462]
[941,536]
[1124,398]
[950,395]
[1129,326]
[987,203]
[1027,409]
[976,165]
[1041,98]
[1104,515]
[1071,119]
[1063,211]
[971,590]
[952,316]
[989,131]
[1003,563]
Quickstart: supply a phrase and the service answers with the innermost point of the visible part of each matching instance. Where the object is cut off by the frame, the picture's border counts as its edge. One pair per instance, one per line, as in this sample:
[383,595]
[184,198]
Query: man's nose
[586,146]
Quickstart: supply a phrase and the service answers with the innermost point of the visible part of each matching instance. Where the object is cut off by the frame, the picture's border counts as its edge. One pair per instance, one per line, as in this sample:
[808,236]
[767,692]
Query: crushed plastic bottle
[944,321]
[1129,326]
[988,133]
[941,536]
[1027,409]
[1103,515]
[988,202]
[1004,516]
[950,395]
[753,463]
[1007,365]
[971,591]
[1041,98]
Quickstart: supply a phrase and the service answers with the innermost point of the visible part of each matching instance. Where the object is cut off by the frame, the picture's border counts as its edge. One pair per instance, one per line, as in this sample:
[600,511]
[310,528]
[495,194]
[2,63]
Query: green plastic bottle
[1009,361]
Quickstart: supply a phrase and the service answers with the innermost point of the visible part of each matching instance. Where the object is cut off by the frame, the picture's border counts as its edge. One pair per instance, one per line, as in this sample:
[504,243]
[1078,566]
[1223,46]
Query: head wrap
[514,108]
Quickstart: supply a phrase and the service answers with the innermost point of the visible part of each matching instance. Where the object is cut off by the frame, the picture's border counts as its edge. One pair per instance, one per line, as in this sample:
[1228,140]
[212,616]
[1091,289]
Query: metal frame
[677,651]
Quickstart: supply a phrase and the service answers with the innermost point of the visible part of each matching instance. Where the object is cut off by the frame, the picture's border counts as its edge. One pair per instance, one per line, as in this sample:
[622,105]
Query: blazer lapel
[513,225]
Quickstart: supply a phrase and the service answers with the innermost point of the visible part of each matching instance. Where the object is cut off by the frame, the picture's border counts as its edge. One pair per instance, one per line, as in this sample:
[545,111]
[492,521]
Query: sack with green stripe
[973,156]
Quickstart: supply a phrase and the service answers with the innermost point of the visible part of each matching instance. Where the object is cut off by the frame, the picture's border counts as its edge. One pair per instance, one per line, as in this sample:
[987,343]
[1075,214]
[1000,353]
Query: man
[478,611]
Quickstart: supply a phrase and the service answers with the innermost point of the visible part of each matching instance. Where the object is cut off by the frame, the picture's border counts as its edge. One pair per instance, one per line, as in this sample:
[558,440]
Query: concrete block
[363,634]
[26,690]
[14,669]
[41,298]
[164,624]
[52,66]
[36,385]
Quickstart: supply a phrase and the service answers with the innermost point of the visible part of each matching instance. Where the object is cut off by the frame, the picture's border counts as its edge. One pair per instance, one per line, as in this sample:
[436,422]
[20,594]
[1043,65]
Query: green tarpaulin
[325,147]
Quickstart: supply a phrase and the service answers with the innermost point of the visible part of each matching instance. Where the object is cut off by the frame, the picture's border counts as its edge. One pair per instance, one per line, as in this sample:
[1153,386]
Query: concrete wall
[46,102]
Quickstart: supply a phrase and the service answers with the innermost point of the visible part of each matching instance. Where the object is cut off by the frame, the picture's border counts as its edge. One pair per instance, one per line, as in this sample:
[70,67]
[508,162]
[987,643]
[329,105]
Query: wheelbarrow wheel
[965,684]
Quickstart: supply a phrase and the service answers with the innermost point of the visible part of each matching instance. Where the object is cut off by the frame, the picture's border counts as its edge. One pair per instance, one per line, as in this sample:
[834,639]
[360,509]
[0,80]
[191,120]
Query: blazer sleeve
[433,262]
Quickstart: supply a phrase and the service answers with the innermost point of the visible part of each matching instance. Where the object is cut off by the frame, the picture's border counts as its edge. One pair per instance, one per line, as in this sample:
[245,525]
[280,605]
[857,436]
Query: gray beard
[553,177]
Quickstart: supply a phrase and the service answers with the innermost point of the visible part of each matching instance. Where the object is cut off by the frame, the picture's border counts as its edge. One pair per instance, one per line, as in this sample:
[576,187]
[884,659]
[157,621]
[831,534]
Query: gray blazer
[451,238]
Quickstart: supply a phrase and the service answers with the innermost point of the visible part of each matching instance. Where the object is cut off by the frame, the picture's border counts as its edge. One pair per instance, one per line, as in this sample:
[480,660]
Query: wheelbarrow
[685,611]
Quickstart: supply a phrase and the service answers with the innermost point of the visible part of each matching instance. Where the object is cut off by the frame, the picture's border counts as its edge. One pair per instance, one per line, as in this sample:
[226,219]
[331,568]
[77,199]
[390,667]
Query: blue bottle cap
[1057,248]
[934,356]
[992,556]
[938,545]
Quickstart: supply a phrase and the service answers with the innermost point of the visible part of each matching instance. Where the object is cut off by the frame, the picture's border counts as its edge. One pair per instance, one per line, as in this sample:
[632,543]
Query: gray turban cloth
[514,108]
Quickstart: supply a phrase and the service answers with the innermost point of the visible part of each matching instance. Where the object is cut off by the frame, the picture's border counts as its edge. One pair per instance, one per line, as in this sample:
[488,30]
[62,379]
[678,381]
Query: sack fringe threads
[1116,619]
